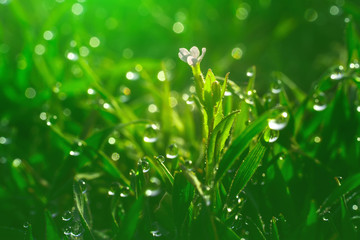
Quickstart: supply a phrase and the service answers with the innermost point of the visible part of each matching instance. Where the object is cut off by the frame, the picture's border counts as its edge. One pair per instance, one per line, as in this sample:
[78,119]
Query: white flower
[193,56]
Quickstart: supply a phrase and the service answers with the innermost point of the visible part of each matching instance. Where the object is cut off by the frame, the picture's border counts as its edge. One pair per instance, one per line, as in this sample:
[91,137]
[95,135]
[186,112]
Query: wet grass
[106,134]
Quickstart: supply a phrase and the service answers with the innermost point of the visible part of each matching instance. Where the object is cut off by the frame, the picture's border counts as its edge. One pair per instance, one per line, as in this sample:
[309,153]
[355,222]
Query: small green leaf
[217,140]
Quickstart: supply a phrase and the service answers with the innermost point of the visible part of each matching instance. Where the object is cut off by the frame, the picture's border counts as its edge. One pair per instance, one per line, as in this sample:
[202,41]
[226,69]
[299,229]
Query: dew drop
[67,231]
[189,165]
[276,86]
[77,230]
[320,101]
[250,72]
[206,194]
[124,192]
[67,216]
[74,153]
[355,64]
[151,133]
[279,122]
[271,135]
[26,225]
[51,120]
[161,158]
[249,97]
[153,189]
[172,151]
[338,73]
[83,186]
[144,164]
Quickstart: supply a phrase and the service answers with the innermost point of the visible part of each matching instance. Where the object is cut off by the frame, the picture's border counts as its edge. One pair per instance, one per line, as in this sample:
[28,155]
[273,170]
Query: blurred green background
[41,75]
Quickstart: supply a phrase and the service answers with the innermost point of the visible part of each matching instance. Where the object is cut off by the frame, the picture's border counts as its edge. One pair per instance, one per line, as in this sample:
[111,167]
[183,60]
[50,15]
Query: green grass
[106,134]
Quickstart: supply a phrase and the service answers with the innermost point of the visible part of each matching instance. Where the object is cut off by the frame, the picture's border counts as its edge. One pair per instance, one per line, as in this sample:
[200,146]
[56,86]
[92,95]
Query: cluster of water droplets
[234,204]
[73,228]
[118,189]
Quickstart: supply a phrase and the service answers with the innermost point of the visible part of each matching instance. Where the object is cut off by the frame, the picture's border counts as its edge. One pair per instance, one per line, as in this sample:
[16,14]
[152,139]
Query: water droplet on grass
[338,73]
[145,165]
[67,216]
[271,135]
[249,97]
[189,165]
[77,230]
[83,186]
[74,153]
[280,121]
[172,151]
[67,231]
[151,133]
[153,189]
[320,101]
[161,158]
[26,225]
[124,192]
[276,86]
[355,64]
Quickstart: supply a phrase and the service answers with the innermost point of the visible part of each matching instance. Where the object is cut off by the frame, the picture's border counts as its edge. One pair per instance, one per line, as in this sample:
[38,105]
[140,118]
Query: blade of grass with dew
[240,144]
[352,40]
[347,185]
[165,170]
[246,169]
[274,230]
[298,93]
[82,206]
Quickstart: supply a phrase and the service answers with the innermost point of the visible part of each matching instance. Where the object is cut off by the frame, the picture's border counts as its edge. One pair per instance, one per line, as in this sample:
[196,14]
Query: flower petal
[194,51]
[192,61]
[203,51]
[183,54]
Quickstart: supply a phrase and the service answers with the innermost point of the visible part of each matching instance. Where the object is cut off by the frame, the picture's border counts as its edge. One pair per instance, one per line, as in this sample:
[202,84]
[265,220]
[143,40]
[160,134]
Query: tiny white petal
[203,51]
[194,51]
[191,61]
[182,57]
[184,51]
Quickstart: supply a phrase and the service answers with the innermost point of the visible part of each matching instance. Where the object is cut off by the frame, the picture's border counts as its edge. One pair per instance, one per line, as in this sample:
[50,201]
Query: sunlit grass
[106,134]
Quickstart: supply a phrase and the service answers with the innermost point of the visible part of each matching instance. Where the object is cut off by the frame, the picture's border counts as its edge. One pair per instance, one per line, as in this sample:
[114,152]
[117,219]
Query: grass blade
[347,185]
[246,169]
[241,143]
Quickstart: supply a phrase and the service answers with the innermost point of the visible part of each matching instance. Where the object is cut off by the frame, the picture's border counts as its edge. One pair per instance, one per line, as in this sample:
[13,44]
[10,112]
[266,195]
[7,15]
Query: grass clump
[100,159]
